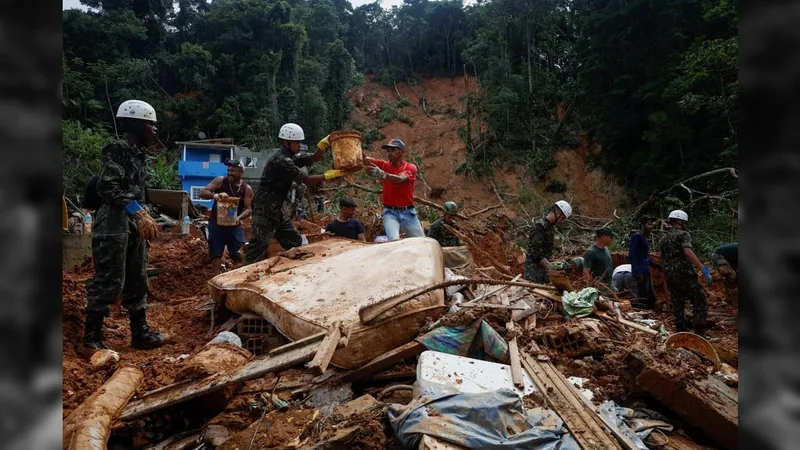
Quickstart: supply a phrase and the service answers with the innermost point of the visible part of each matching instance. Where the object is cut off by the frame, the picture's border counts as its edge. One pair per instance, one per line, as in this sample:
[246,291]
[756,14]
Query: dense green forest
[653,81]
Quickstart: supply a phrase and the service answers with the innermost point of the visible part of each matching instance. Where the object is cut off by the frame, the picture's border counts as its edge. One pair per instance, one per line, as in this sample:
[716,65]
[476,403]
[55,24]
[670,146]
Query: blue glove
[132,207]
[706,274]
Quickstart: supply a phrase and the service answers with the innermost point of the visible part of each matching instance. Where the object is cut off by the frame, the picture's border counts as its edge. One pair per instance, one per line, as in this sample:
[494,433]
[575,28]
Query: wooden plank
[184,392]
[386,360]
[327,348]
[513,356]
[297,343]
[708,404]
[492,306]
[585,425]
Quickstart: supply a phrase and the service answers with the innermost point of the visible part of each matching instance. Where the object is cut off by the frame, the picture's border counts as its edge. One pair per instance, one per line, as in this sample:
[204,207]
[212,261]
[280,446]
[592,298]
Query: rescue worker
[541,240]
[597,259]
[639,255]
[232,237]
[678,256]
[397,179]
[270,218]
[438,231]
[121,228]
[622,280]
[725,260]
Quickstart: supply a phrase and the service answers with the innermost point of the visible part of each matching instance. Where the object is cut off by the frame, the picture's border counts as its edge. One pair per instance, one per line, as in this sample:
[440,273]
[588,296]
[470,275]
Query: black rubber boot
[142,337]
[93,334]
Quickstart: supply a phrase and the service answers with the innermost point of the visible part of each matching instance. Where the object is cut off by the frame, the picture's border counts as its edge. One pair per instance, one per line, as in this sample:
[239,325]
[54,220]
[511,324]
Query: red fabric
[398,195]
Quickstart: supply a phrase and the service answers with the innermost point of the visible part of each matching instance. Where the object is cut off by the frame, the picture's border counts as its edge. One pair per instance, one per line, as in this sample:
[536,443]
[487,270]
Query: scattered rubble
[614,362]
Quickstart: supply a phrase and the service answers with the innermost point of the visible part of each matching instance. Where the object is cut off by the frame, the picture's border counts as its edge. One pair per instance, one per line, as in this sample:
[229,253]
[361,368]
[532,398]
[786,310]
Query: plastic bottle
[87,223]
[186,222]
[304,239]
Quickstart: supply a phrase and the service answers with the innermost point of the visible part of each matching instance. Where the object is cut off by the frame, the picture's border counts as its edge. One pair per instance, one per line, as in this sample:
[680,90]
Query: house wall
[198,166]
[193,185]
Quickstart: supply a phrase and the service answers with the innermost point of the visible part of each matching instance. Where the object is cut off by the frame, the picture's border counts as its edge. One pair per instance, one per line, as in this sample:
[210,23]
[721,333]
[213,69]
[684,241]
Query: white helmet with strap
[136,109]
[291,132]
[678,214]
[564,207]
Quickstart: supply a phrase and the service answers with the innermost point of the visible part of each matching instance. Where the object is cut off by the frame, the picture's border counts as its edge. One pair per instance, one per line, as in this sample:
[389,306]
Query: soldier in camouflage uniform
[541,240]
[438,231]
[679,259]
[121,229]
[271,210]
[725,259]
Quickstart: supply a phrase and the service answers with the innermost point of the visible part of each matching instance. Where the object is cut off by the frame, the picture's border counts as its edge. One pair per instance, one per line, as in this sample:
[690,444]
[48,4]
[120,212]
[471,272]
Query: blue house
[201,162]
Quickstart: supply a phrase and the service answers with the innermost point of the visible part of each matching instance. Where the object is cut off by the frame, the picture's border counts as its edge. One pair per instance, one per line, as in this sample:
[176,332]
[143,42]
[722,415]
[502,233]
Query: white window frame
[198,189]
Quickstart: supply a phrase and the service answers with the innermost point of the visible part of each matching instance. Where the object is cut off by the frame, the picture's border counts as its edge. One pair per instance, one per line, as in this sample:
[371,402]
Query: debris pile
[574,374]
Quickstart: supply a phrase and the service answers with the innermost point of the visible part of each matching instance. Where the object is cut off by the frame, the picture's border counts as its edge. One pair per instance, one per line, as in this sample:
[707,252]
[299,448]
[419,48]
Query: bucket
[346,148]
[227,211]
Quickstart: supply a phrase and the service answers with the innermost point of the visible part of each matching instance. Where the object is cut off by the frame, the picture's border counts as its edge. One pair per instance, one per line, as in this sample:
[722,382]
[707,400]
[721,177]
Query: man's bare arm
[208,192]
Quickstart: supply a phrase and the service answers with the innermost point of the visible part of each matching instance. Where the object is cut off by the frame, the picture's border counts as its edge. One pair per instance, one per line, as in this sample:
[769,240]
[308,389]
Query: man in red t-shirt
[397,177]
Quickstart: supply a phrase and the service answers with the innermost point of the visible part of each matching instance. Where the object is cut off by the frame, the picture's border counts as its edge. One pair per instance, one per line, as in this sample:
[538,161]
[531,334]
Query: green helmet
[450,208]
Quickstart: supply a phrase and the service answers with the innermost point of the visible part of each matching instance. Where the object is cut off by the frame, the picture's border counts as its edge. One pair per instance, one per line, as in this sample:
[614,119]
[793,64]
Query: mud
[277,429]
[178,317]
[211,359]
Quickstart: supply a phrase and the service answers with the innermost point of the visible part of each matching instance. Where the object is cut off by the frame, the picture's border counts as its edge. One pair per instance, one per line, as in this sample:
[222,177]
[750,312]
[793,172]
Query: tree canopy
[653,81]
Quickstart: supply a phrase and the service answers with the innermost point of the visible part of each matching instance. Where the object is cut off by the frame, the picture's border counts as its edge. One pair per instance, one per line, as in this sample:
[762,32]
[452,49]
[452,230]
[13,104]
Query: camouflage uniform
[271,214]
[728,272]
[118,252]
[445,237]
[682,279]
[540,245]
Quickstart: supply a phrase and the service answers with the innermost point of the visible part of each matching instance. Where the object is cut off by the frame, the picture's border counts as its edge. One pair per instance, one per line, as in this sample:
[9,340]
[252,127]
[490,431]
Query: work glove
[334,173]
[323,143]
[706,274]
[147,226]
[377,172]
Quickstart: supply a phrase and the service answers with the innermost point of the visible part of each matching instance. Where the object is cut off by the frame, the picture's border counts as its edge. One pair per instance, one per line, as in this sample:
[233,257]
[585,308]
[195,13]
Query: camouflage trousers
[120,267]
[683,287]
[262,234]
[534,272]
[729,277]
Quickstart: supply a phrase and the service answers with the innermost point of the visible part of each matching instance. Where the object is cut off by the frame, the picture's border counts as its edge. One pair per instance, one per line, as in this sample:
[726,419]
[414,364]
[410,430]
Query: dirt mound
[173,311]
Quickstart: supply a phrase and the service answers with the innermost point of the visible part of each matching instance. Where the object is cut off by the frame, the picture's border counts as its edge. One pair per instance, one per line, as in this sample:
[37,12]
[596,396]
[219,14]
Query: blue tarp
[489,420]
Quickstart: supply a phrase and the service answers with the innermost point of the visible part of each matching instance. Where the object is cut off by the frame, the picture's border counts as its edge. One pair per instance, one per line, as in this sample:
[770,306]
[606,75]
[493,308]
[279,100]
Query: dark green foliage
[653,81]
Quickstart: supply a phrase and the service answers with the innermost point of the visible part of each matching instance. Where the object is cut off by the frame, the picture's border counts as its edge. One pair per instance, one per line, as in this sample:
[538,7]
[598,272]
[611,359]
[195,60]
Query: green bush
[82,149]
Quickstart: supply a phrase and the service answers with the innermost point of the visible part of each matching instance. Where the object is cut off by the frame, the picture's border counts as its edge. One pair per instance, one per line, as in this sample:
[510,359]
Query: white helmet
[678,214]
[564,207]
[136,109]
[291,132]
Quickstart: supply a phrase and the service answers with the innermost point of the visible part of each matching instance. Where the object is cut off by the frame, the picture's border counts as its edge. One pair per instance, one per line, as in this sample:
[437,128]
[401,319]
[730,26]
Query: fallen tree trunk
[89,425]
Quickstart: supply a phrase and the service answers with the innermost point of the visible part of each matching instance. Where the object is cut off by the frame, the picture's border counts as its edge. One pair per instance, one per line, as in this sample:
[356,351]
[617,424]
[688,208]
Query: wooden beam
[707,404]
[586,426]
[385,361]
[182,392]
[319,364]
[297,343]
[514,360]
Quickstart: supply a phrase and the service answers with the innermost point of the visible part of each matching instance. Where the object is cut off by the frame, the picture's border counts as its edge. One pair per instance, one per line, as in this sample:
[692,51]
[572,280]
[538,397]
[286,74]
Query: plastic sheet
[478,340]
[636,425]
[580,304]
[490,420]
